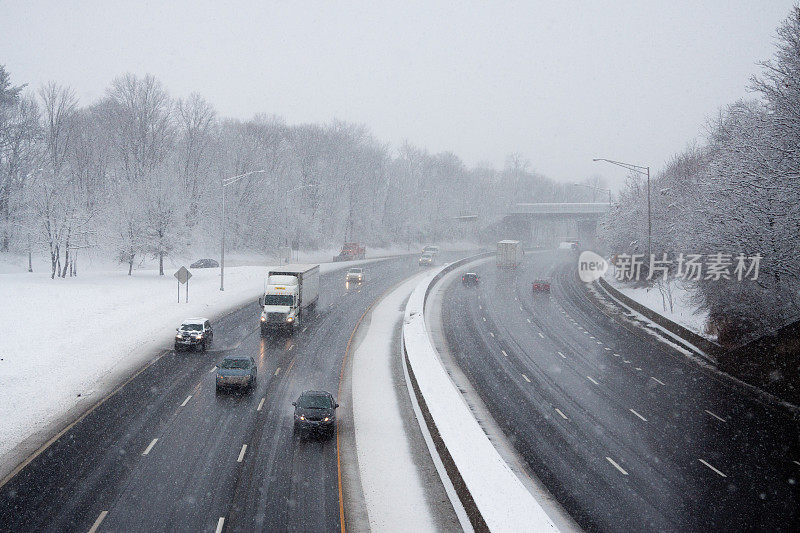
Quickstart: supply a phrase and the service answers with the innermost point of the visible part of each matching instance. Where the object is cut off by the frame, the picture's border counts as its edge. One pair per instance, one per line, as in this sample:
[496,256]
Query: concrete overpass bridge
[548,223]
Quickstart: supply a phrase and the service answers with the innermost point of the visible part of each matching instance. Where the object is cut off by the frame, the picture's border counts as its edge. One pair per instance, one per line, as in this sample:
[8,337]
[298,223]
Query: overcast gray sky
[559,82]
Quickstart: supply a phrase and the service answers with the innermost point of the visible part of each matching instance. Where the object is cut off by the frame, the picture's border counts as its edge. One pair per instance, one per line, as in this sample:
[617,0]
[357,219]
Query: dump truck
[351,251]
[290,292]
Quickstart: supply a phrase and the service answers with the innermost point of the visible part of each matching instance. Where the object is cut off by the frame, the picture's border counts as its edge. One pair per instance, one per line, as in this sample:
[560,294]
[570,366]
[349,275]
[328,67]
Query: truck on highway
[351,251]
[509,254]
[290,292]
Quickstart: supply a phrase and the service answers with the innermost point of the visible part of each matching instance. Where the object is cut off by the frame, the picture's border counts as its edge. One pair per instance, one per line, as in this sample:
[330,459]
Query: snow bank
[67,342]
[500,497]
[683,311]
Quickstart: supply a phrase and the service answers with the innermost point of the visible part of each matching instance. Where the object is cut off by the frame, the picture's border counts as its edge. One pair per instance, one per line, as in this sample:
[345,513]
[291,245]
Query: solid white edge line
[715,416]
[220,523]
[304,329]
[98,521]
[617,355]
[529,320]
[562,414]
[657,380]
[492,334]
[149,447]
[526,378]
[186,400]
[542,336]
[590,378]
[562,355]
[637,414]
[610,460]
[241,453]
[260,404]
[712,468]
[291,347]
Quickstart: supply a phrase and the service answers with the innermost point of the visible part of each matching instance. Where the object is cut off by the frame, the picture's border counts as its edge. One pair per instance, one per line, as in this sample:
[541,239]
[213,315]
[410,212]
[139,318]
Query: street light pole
[645,171]
[225,182]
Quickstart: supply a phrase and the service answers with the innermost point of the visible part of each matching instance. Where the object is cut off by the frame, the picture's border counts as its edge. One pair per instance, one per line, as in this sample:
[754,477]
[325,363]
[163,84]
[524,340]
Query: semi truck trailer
[509,254]
[290,292]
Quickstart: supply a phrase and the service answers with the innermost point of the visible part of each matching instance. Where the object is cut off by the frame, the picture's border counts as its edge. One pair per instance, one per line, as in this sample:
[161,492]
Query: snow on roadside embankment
[683,311]
[80,336]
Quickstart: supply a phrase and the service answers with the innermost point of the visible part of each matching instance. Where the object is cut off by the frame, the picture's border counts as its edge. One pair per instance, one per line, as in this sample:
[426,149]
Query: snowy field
[67,342]
[683,312]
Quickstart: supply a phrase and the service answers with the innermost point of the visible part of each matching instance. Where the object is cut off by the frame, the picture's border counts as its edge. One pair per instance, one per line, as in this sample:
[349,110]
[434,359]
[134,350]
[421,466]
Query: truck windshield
[279,299]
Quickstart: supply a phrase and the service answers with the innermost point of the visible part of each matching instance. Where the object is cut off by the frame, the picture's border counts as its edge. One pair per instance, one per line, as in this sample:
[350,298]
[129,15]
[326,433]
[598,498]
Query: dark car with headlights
[194,333]
[236,371]
[315,411]
[470,279]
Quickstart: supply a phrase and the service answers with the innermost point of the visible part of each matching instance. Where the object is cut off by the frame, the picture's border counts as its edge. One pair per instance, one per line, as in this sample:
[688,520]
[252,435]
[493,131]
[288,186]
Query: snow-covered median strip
[67,343]
[500,498]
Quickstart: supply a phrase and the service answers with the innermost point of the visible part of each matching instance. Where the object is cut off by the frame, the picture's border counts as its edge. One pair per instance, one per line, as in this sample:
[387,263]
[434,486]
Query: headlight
[198,336]
[326,419]
[289,319]
[263,318]
[178,336]
[302,417]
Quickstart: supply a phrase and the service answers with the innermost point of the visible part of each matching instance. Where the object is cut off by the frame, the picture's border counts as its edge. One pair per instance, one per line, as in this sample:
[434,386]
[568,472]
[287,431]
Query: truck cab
[288,293]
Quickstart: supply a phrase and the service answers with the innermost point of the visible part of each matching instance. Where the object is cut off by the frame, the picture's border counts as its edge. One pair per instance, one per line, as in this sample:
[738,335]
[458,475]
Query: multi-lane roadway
[628,433]
[166,453]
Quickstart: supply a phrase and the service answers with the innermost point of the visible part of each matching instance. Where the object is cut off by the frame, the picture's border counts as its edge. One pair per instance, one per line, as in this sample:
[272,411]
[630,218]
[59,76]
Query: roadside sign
[183,275]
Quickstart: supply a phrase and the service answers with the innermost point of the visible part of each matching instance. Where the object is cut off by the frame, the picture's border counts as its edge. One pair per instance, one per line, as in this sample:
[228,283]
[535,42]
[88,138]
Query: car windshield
[354,271]
[235,363]
[279,299]
[192,327]
[314,401]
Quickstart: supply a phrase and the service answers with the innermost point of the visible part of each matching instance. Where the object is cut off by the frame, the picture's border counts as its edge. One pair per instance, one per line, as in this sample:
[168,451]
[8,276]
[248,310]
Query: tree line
[138,174]
[736,193]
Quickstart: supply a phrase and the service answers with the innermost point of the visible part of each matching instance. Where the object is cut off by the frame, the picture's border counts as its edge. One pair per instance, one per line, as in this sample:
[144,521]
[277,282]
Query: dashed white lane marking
[291,347]
[98,521]
[529,320]
[526,378]
[520,308]
[304,329]
[637,414]
[542,336]
[715,416]
[607,348]
[504,353]
[610,460]
[562,414]
[260,404]
[220,523]
[712,468]
[277,370]
[639,368]
[590,378]
[186,400]
[484,318]
[562,355]
[241,453]
[657,380]
[599,342]
[626,362]
[149,447]
[480,306]
[617,355]
[492,334]
[213,369]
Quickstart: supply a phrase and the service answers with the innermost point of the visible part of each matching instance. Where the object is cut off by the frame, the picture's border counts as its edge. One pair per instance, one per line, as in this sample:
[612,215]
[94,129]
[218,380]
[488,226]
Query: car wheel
[177,348]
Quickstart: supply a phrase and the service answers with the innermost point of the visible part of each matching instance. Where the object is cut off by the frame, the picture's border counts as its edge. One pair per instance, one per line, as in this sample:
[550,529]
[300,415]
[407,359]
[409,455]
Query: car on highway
[540,285]
[237,371]
[315,412]
[204,263]
[355,275]
[194,333]
[425,260]
[470,279]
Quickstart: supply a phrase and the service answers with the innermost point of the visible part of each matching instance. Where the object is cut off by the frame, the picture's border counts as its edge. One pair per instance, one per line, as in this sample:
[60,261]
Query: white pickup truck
[289,293]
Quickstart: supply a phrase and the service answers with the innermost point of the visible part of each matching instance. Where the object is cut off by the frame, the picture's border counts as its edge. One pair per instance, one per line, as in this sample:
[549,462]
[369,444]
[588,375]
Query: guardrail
[491,494]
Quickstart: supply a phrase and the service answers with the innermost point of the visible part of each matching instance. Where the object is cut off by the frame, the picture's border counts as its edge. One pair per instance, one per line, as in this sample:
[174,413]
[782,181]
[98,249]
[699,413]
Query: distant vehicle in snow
[541,285]
[568,245]
[470,279]
[351,251]
[204,263]
[355,275]
[430,249]
[238,371]
[425,260]
[315,411]
[509,254]
[194,333]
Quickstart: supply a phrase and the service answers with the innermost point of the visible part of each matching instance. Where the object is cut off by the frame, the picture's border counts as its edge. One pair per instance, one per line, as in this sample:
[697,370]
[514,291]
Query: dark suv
[194,333]
[470,279]
[315,411]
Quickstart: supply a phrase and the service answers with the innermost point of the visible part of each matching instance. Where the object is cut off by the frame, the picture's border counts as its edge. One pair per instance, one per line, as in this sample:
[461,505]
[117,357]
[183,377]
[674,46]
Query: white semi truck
[509,254]
[289,293]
